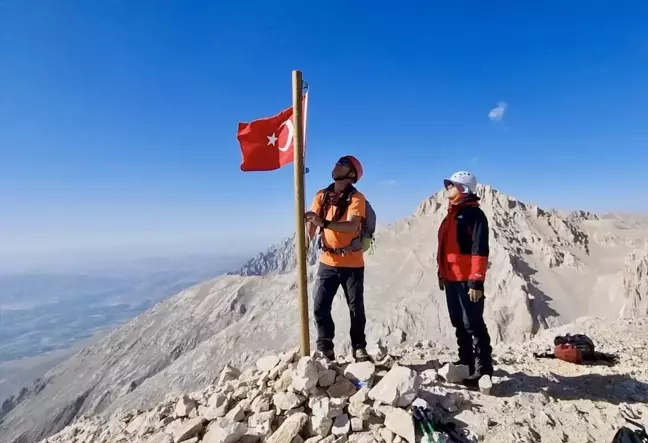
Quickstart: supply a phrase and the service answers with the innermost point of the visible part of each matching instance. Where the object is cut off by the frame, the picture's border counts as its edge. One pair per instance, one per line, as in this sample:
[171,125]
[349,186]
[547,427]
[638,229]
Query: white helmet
[464,178]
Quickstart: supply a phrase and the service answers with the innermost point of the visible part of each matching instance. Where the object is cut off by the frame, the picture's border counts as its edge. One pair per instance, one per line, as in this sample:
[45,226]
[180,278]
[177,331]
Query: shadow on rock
[430,364]
[613,389]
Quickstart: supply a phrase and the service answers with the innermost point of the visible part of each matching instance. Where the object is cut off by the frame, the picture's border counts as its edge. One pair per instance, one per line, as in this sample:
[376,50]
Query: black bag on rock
[627,435]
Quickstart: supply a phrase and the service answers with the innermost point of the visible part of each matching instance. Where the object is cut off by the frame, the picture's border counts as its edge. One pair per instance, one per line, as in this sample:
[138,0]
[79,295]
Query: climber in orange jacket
[462,260]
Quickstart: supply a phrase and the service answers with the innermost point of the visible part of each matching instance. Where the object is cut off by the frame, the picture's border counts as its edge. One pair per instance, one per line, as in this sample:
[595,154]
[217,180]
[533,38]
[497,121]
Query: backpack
[627,435]
[574,348]
[365,239]
[577,348]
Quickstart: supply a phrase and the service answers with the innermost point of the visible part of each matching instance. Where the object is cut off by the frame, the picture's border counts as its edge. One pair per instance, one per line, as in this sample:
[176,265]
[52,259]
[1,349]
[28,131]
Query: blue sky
[118,118]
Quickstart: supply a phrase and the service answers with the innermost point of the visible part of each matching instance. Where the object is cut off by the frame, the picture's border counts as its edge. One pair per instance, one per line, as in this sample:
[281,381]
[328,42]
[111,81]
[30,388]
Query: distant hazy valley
[47,315]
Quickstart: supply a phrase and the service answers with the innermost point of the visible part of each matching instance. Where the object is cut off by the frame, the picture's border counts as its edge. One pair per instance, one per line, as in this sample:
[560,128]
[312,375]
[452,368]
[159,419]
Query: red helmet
[356,165]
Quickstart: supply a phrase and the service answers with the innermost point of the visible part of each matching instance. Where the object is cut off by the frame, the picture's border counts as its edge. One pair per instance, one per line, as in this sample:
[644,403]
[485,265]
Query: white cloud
[497,113]
[388,182]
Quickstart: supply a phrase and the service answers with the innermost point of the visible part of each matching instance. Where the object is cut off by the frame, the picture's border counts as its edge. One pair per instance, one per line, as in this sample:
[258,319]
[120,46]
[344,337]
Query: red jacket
[463,244]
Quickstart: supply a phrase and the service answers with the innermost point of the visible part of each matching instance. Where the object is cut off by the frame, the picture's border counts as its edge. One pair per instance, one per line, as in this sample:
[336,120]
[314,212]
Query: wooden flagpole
[300,236]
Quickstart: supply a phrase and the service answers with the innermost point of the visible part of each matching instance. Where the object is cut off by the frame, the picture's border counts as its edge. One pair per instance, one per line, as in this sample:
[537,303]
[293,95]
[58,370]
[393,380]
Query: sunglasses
[345,162]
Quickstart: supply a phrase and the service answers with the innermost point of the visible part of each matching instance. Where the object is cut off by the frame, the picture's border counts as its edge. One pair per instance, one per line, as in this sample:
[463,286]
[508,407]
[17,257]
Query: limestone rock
[429,376]
[224,431]
[185,406]
[229,373]
[360,374]
[401,423]
[262,403]
[267,363]
[285,381]
[216,407]
[362,437]
[381,410]
[289,428]
[241,392]
[320,406]
[398,388]
[135,424]
[454,373]
[341,425]
[342,388]
[290,356]
[279,369]
[160,437]
[378,350]
[357,407]
[260,424]
[320,425]
[485,384]
[287,400]
[387,435]
[356,424]
[188,429]
[237,413]
[361,396]
[306,374]
[360,410]
[327,378]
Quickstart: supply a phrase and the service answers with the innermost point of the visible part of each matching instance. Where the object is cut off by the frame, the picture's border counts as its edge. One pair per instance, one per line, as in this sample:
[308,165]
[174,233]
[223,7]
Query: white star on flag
[272,139]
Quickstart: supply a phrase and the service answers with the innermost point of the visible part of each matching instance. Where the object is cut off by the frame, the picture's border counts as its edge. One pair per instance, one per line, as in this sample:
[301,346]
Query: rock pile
[288,399]
[282,399]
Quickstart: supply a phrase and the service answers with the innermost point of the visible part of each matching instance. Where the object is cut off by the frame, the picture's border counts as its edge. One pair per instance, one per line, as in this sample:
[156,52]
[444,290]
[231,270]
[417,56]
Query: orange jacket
[462,253]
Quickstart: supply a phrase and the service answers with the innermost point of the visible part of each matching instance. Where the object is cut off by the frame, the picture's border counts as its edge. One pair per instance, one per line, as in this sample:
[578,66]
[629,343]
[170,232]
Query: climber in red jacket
[462,260]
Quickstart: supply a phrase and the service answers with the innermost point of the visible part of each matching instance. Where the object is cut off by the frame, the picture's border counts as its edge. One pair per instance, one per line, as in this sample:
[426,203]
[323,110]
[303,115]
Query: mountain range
[546,268]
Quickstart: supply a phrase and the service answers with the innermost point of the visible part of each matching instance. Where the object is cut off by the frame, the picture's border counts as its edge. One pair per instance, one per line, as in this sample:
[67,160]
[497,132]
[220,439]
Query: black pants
[328,281]
[472,336]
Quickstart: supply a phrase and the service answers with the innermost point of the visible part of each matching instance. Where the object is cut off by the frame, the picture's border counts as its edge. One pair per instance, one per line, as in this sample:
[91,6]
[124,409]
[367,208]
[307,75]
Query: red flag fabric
[267,143]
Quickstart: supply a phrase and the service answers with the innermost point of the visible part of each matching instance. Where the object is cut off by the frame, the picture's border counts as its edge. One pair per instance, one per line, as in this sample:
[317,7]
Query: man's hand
[441,284]
[315,219]
[475,295]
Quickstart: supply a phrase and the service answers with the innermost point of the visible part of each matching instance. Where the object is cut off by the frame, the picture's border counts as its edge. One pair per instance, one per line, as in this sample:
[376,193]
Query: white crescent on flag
[291,131]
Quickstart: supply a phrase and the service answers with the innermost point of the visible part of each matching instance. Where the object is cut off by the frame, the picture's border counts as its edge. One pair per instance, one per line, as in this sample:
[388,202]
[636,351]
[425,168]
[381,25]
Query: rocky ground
[288,399]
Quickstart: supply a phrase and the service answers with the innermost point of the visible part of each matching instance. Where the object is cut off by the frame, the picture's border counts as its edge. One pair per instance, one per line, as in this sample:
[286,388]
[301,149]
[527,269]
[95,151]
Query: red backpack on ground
[574,348]
[578,349]
[568,352]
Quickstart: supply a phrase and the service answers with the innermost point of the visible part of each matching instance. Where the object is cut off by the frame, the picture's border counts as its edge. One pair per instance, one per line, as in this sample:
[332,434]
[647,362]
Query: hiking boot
[361,355]
[329,355]
[473,380]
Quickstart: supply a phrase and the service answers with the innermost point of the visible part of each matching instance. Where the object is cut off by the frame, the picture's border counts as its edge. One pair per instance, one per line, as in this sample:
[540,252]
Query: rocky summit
[288,399]
[547,268]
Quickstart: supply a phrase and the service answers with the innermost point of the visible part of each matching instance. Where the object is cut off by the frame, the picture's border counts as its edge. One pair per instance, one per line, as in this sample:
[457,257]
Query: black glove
[441,284]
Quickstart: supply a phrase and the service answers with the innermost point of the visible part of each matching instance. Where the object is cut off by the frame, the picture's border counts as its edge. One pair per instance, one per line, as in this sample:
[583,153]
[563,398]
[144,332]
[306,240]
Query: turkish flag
[267,143]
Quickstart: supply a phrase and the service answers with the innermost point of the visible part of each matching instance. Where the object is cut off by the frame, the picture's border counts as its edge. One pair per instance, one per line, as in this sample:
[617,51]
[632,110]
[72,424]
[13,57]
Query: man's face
[342,169]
